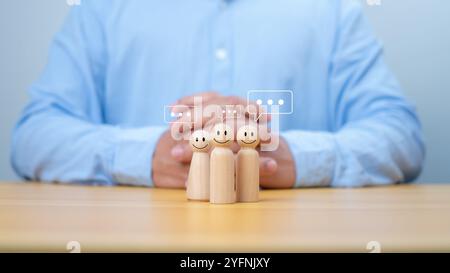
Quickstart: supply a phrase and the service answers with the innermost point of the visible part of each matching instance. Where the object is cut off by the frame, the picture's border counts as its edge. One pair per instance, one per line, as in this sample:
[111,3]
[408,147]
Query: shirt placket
[221,75]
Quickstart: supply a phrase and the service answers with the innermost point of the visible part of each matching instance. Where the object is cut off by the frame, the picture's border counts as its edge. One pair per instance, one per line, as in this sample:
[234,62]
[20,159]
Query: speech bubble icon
[178,114]
[268,99]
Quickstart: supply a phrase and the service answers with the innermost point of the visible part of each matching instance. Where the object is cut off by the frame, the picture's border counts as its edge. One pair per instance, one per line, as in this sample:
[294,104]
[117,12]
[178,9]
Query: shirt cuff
[133,153]
[314,155]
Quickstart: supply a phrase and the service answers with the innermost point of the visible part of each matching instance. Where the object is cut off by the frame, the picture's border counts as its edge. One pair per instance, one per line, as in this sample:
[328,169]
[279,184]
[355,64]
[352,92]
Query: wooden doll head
[200,141]
[247,136]
[222,135]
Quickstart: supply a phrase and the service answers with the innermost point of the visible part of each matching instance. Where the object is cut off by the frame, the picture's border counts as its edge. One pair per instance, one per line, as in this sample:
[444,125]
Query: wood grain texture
[198,179]
[41,217]
[222,176]
[247,175]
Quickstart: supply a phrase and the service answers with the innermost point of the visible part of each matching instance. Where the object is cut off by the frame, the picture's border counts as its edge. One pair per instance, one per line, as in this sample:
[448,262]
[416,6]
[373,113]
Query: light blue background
[416,35]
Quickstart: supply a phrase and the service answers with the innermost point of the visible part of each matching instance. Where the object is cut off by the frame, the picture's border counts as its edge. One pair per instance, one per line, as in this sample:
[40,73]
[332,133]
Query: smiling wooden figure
[247,164]
[222,175]
[198,180]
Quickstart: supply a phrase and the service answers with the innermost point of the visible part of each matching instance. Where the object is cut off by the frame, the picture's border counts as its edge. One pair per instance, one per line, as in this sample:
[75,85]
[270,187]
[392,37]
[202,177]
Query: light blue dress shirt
[96,112]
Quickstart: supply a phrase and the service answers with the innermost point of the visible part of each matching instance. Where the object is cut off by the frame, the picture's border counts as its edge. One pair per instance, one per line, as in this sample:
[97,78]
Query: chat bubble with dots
[268,99]
[188,114]
[178,114]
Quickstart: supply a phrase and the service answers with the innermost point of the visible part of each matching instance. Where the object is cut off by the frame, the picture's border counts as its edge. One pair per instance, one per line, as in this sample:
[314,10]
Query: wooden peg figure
[198,180]
[222,175]
[247,164]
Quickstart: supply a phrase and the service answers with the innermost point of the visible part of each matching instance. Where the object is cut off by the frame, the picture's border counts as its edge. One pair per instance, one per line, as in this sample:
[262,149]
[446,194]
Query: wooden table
[40,217]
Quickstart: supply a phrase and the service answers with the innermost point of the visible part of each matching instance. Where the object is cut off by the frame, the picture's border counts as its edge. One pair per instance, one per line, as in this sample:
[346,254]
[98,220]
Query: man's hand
[250,110]
[172,158]
[276,168]
[167,172]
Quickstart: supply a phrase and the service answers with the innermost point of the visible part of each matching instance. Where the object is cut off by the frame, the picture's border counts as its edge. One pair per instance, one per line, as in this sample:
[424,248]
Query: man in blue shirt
[96,112]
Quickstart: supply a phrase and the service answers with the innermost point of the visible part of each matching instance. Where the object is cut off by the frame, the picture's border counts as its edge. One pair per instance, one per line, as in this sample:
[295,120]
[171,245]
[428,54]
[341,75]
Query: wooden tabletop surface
[42,217]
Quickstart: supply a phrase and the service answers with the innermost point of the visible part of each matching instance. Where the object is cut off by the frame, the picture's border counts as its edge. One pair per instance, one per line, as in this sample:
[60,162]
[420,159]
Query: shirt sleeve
[61,135]
[376,136]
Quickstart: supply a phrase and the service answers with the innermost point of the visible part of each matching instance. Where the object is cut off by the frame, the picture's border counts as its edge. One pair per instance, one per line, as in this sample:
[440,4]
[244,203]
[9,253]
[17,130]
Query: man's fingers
[189,100]
[227,111]
[256,112]
[182,153]
[267,166]
[216,108]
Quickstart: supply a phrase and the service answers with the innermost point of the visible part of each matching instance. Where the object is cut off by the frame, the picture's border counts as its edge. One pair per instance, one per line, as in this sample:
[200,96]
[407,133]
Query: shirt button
[221,54]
